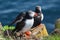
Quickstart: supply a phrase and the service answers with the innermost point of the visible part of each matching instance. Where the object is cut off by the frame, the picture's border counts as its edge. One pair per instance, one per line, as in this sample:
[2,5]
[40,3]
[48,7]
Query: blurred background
[9,9]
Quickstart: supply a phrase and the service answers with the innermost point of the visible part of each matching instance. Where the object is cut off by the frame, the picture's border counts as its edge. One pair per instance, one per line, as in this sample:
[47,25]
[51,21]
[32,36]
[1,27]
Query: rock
[57,27]
[37,33]
[57,23]
[1,28]
[0,25]
[57,31]
[41,30]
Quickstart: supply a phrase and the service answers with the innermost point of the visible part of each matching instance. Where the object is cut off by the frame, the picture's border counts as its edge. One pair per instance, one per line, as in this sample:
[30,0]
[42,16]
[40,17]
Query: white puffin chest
[28,24]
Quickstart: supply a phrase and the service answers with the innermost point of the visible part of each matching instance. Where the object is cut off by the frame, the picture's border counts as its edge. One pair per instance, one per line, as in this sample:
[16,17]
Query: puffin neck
[28,17]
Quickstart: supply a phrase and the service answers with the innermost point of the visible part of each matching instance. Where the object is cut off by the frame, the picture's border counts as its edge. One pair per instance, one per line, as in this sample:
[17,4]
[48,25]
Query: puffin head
[31,13]
[38,9]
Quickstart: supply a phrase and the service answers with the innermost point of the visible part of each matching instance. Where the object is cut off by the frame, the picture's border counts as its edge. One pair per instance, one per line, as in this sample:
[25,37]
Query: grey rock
[57,23]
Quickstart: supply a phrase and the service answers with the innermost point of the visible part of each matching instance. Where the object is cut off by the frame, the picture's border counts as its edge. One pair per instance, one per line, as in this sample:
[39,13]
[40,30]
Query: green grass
[53,37]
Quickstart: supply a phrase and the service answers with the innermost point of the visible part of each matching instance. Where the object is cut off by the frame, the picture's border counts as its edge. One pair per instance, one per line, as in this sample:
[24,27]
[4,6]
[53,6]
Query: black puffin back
[20,25]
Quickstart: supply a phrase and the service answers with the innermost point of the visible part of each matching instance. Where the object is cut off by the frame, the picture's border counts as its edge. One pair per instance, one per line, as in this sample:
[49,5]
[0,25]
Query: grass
[51,37]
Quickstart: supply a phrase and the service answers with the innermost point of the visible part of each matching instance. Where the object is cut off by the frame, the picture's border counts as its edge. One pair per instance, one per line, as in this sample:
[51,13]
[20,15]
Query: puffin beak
[35,14]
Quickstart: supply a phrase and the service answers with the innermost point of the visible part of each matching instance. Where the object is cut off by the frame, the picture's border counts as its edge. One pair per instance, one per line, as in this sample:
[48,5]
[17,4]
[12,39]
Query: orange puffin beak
[35,15]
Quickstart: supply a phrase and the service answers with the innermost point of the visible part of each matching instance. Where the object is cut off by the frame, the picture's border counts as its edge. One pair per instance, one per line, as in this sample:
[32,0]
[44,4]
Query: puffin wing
[19,18]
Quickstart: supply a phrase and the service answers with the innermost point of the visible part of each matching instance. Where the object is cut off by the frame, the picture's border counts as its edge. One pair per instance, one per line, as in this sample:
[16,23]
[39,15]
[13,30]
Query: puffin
[39,18]
[24,21]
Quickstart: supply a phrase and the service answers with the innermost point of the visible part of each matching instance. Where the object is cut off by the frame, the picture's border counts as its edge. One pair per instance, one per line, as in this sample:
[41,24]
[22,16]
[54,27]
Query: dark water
[9,9]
